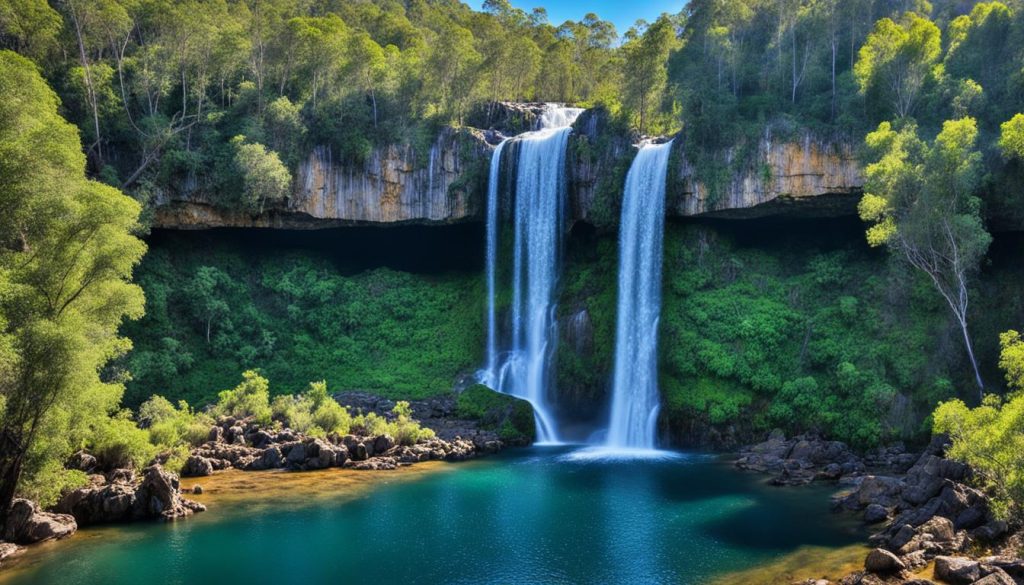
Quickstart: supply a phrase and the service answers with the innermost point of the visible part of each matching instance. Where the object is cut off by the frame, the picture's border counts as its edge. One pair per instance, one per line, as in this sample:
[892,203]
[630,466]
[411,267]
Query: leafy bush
[250,398]
[989,438]
[169,426]
[403,428]
[313,412]
[118,442]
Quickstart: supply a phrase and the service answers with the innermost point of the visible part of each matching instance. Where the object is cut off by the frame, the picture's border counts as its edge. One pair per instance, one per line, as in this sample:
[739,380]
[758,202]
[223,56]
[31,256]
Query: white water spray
[524,370]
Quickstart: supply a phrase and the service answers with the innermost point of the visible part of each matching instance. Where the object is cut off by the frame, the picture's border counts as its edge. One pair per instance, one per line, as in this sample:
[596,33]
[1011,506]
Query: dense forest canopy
[227,97]
[220,96]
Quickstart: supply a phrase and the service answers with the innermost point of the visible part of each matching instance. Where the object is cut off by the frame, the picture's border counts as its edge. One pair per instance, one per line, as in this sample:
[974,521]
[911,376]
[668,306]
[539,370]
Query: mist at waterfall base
[524,516]
[521,366]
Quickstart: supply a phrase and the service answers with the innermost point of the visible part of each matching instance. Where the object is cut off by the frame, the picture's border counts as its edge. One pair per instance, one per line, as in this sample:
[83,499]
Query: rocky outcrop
[395,184]
[935,518]
[508,118]
[247,445]
[446,182]
[122,499]
[806,177]
[26,524]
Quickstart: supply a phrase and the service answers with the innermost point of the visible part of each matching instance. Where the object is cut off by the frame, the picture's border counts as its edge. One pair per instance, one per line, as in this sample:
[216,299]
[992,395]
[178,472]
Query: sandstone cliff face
[806,177]
[396,184]
[447,183]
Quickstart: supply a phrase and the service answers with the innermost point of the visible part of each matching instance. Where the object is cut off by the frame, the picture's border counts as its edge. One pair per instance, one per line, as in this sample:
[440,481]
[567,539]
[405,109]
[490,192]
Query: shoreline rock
[244,444]
[931,515]
[123,499]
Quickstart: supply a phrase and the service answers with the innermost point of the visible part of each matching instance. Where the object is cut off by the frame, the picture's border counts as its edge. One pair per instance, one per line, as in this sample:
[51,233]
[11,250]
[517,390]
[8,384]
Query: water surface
[528,516]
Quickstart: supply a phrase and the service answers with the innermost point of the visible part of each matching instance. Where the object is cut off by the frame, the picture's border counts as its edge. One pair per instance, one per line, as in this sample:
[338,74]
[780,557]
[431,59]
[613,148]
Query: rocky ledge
[927,513]
[117,496]
[247,445]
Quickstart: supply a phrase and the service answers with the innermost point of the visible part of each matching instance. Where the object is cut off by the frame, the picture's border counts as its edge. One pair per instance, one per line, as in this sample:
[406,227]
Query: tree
[920,199]
[897,59]
[28,26]
[1011,358]
[646,73]
[205,294]
[1011,137]
[264,177]
[66,257]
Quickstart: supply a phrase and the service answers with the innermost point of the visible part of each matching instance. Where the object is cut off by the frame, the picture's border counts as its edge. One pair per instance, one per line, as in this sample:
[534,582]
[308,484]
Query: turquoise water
[530,516]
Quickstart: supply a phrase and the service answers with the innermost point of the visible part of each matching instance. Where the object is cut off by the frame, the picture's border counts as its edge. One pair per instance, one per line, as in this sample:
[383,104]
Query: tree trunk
[12,457]
[974,362]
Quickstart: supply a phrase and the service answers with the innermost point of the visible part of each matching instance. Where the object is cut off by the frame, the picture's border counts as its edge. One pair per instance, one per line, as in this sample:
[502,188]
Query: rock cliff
[806,177]
[446,183]
[395,184]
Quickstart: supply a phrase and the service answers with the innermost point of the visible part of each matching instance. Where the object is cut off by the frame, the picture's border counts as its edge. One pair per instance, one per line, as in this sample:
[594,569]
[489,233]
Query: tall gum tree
[66,258]
[919,198]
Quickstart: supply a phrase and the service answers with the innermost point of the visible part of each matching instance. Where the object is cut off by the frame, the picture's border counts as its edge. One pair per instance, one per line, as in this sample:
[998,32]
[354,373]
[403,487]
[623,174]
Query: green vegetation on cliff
[219,307]
[799,326]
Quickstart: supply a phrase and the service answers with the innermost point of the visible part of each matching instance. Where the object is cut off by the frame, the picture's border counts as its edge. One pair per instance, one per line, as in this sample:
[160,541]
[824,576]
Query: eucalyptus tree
[66,258]
[897,60]
[920,199]
[646,56]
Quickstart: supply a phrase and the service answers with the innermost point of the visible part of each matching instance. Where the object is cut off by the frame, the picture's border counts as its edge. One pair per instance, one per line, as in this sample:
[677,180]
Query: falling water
[492,255]
[635,401]
[524,369]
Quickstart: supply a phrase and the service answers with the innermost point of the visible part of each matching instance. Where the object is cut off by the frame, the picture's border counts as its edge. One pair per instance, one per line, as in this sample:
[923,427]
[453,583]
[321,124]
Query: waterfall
[492,255]
[524,368]
[635,400]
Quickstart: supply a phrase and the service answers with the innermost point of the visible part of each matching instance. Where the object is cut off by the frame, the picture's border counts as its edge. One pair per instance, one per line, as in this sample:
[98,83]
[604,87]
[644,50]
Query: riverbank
[928,524]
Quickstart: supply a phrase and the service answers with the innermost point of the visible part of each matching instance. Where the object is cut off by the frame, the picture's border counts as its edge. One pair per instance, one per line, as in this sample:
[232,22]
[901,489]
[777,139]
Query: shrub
[169,426]
[989,438]
[250,398]
[117,442]
[313,412]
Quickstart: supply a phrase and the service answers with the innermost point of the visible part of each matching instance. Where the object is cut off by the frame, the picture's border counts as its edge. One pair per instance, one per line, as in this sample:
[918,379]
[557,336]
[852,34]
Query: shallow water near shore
[526,516]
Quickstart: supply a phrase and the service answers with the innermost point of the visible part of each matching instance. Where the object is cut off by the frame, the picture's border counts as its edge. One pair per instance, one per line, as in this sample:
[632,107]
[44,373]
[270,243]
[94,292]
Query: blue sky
[622,12]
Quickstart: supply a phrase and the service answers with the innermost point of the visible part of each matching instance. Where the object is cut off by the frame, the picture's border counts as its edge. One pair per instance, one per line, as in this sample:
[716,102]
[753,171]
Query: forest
[121,340]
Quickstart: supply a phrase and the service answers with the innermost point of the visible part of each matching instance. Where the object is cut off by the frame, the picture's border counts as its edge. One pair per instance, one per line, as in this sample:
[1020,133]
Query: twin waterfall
[538,211]
[520,360]
[634,416]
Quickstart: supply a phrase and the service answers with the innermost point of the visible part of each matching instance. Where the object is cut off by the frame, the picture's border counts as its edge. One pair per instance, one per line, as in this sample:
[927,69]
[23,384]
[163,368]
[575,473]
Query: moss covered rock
[510,417]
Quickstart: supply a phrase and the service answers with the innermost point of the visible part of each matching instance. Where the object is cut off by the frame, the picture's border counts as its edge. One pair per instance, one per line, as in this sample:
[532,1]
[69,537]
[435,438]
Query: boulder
[81,461]
[383,443]
[270,458]
[875,513]
[216,435]
[940,529]
[996,577]
[376,464]
[957,570]
[883,562]
[197,489]
[159,496]
[27,525]
[261,439]
[236,435]
[196,466]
